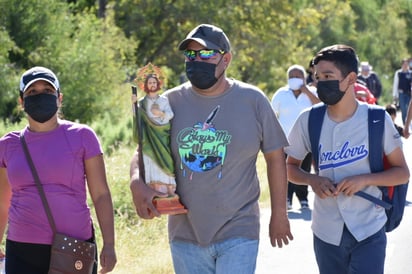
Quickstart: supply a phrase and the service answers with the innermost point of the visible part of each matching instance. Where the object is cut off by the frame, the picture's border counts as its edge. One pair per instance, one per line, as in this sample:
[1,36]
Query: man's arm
[279,227]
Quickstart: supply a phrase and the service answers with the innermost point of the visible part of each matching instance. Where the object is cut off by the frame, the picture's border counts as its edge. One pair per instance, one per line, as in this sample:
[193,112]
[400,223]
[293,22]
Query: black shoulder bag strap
[38,184]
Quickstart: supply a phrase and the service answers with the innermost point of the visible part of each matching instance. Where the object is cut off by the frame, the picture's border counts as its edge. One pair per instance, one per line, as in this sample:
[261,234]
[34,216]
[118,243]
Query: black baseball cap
[208,36]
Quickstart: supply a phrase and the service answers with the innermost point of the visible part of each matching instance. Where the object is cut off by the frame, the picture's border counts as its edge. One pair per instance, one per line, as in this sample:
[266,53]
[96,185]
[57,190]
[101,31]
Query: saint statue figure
[151,129]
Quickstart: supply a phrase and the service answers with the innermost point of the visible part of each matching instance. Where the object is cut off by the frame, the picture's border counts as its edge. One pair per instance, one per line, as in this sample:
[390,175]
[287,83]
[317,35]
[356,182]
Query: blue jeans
[236,256]
[404,104]
[352,257]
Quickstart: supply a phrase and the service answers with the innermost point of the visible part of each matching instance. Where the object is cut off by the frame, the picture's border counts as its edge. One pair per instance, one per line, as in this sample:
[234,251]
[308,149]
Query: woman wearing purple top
[66,156]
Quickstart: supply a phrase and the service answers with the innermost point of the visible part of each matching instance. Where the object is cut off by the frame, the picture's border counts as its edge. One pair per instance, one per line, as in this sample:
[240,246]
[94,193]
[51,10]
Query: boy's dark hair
[342,56]
[391,109]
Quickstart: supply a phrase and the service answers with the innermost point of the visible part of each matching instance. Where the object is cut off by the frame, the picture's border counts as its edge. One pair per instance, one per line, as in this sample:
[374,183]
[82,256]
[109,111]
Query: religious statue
[152,115]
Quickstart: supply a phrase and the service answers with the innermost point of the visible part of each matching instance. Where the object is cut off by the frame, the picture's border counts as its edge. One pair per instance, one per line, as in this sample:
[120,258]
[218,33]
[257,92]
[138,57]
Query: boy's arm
[322,186]
[397,174]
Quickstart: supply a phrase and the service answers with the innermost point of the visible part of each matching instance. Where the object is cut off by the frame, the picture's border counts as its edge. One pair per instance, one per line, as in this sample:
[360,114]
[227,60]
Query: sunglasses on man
[204,54]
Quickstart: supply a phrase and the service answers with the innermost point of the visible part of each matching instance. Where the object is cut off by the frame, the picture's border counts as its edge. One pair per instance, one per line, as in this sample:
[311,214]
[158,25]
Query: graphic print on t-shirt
[344,155]
[203,147]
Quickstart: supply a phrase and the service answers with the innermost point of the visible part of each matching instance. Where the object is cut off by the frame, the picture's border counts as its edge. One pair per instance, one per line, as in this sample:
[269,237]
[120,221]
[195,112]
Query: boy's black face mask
[329,92]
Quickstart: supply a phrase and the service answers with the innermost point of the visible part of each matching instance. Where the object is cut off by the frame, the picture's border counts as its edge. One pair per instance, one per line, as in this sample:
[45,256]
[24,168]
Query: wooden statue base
[169,205]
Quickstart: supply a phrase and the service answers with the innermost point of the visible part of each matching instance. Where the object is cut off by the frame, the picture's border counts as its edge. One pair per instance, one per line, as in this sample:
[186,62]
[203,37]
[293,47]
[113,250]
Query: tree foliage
[268,36]
[89,55]
[96,46]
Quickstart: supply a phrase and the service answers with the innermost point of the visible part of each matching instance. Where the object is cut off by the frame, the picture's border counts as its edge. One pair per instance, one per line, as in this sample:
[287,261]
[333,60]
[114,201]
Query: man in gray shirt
[219,127]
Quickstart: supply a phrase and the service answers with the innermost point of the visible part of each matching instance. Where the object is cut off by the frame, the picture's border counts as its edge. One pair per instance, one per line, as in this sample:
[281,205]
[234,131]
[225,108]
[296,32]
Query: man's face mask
[201,74]
[295,83]
[329,92]
[41,107]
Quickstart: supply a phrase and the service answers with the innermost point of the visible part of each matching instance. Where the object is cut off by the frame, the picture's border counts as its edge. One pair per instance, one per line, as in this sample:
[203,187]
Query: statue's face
[152,85]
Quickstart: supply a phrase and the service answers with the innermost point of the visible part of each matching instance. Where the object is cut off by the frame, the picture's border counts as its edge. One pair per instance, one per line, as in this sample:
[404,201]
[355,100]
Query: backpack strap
[376,127]
[316,114]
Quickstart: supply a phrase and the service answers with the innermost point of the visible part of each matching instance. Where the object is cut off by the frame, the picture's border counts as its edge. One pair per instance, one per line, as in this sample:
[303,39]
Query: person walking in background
[371,80]
[310,78]
[401,90]
[288,102]
[407,125]
[363,94]
[66,155]
[219,127]
[392,111]
[349,231]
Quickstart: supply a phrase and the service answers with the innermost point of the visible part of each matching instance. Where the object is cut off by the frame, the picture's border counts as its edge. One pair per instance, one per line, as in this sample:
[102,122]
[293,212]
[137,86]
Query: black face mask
[329,92]
[201,74]
[41,107]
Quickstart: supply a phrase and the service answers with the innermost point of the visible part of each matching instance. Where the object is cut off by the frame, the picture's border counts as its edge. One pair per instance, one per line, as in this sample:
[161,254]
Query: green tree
[92,66]
[96,46]
[8,79]
[378,42]
[265,37]
[268,36]
[88,54]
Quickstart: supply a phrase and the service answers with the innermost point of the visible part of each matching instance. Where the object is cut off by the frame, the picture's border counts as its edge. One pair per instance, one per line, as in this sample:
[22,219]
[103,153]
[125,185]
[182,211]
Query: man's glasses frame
[204,54]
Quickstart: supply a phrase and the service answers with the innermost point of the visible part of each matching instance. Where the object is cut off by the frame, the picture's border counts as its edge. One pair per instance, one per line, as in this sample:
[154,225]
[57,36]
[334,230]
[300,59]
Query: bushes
[113,133]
